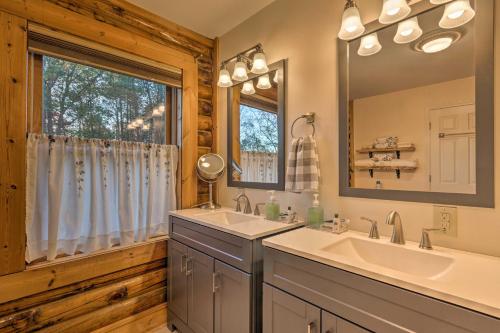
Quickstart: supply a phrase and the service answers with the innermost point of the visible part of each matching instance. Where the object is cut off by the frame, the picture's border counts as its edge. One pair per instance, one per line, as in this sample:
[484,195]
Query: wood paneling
[48,277]
[13,120]
[141,322]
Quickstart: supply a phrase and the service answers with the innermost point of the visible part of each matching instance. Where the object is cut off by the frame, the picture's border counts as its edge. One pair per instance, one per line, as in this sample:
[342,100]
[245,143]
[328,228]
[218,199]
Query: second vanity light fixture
[243,64]
[456,13]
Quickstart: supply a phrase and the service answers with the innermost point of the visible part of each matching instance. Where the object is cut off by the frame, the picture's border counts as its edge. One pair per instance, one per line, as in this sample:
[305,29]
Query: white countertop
[256,227]
[471,281]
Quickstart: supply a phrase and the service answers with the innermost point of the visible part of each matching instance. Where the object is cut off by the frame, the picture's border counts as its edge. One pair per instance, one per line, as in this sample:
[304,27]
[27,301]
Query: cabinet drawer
[233,250]
[375,305]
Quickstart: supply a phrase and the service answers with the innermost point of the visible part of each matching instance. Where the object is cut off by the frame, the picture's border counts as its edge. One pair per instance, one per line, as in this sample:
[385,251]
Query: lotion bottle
[315,214]
[272,208]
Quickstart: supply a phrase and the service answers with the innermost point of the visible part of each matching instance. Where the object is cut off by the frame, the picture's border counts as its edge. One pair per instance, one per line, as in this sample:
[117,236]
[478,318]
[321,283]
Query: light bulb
[456,13]
[394,10]
[351,27]
[224,79]
[240,71]
[145,127]
[156,112]
[408,31]
[161,108]
[369,45]
[259,63]
[264,82]
[248,88]
[437,45]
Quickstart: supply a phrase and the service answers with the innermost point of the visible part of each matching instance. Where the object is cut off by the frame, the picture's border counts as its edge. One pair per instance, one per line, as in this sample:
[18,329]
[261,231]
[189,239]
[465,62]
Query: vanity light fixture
[259,62]
[437,41]
[394,10]
[408,31]
[253,58]
[264,82]
[240,71]
[457,13]
[351,27]
[248,88]
[369,45]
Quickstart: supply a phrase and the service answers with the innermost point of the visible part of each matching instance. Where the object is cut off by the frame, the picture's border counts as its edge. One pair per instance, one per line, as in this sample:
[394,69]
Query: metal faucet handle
[248,207]
[256,211]
[394,219]
[374,228]
[425,240]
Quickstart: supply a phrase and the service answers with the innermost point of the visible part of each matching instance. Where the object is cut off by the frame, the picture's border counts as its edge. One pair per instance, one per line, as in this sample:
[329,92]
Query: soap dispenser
[272,208]
[315,214]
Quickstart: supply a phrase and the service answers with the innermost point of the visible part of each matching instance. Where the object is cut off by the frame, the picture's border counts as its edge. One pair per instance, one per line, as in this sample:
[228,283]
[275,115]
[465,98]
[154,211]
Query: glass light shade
[145,127]
[248,88]
[439,2]
[157,113]
[161,108]
[139,121]
[240,71]
[394,10]
[224,79]
[369,45]
[457,13]
[264,82]
[352,26]
[408,31]
[437,45]
[131,126]
[259,64]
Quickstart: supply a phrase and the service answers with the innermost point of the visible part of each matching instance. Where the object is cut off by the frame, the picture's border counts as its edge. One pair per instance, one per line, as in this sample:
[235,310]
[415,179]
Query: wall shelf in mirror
[396,150]
[387,168]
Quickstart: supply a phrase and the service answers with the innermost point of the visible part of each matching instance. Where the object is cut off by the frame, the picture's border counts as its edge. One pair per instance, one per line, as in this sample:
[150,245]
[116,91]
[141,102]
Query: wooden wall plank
[142,322]
[51,313]
[76,288]
[110,314]
[13,120]
[14,286]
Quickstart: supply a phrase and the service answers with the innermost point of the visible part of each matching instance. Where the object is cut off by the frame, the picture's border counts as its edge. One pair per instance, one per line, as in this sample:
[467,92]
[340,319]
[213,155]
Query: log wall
[117,291]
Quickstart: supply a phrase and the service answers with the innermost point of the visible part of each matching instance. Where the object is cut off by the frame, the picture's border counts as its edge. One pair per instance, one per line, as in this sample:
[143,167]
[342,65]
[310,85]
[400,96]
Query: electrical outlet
[445,217]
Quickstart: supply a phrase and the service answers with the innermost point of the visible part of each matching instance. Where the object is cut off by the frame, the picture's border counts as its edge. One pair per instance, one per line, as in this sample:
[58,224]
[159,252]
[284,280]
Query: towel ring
[309,117]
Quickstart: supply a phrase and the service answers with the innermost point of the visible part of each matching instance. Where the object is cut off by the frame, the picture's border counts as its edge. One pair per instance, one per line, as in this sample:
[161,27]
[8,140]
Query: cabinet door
[232,299]
[332,324]
[200,268]
[177,279]
[283,313]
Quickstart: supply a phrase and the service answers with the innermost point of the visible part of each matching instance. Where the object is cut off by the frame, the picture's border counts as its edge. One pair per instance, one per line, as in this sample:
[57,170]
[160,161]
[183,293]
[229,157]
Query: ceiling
[211,18]
[399,67]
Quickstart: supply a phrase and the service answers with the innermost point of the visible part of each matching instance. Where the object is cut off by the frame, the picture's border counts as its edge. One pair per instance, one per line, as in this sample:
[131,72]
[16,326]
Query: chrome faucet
[248,206]
[425,241]
[394,219]
[374,228]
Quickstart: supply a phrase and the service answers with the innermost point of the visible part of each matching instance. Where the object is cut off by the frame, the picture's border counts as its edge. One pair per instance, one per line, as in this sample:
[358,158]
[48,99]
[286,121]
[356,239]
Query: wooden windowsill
[82,256]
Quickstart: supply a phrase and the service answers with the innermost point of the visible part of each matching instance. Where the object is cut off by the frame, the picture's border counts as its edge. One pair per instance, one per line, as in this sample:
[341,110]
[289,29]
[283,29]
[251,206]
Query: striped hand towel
[302,174]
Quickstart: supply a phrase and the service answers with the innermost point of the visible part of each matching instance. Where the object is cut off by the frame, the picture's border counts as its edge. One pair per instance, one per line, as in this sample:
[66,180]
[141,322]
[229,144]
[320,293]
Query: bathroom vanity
[318,282]
[215,270]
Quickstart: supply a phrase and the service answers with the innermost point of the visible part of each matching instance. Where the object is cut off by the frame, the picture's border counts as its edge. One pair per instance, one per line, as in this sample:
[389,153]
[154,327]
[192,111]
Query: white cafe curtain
[88,195]
[259,167]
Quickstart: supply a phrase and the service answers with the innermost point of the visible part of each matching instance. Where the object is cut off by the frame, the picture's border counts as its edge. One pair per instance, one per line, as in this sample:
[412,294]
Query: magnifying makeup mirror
[210,168]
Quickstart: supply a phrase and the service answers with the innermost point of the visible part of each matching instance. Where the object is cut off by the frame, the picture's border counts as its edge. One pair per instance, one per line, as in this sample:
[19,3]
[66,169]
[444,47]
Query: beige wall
[405,114]
[305,32]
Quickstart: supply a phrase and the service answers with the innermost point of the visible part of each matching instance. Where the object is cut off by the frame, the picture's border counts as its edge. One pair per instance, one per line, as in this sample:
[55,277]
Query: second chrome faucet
[394,219]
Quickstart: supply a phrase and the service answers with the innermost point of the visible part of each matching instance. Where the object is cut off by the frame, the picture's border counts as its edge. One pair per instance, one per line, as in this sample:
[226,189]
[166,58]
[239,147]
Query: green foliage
[258,130]
[88,102]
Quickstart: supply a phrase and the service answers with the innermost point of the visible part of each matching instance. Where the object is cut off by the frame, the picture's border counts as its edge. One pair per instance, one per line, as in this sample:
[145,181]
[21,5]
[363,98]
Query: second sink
[227,218]
[395,257]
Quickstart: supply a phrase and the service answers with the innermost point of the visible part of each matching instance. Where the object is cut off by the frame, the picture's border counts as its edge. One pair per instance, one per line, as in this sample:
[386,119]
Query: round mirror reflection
[210,168]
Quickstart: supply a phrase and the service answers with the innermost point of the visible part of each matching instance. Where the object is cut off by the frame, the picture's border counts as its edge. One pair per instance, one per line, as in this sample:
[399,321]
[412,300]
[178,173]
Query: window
[93,103]
[258,130]
[102,159]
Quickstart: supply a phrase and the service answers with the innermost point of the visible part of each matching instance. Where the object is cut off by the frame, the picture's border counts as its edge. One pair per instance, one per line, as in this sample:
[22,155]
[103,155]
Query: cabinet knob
[189,270]
[183,263]
[215,286]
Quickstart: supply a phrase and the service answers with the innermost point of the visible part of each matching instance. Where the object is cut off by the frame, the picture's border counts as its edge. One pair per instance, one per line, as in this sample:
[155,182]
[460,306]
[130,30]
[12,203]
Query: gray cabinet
[199,271]
[283,313]
[332,324]
[178,296]
[232,299]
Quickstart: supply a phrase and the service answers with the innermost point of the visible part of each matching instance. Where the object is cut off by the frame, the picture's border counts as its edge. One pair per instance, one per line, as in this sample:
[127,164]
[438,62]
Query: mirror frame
[280,185]
[484,100]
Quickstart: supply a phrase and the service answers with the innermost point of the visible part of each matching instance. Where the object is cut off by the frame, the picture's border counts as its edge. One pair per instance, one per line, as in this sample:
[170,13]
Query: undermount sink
[227,218]
[395,257]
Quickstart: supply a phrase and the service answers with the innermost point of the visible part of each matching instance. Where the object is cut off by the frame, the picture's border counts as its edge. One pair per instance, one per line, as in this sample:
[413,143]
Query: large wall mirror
[256,140]
[416,109]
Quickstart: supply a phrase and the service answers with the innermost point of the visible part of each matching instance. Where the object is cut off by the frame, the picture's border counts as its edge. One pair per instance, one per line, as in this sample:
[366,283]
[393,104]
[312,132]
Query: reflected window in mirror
[411,107]
[256,115]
